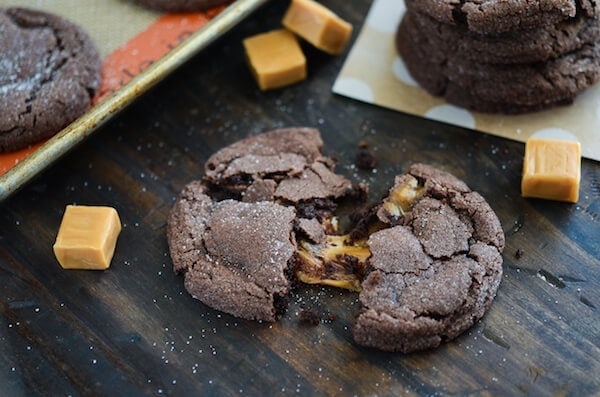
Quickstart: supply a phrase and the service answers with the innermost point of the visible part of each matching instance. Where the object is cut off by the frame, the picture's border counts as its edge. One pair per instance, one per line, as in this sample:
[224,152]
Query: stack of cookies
[501,56]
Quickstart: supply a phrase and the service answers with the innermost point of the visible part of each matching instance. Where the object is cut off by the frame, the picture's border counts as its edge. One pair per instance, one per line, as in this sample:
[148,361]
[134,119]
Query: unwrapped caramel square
[551,169]
[275,58]
[318,25]
[87,237]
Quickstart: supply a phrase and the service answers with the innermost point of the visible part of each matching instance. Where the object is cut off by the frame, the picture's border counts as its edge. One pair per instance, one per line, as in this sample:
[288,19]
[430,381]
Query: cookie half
[435,268]
[233,234]
[49,73]
[234,255]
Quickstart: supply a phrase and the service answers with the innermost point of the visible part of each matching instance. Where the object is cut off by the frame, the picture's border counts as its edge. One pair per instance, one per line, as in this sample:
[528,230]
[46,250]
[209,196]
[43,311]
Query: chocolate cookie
[427,260]
[435,268]
[520,46]
[49,72]
[234,254]
[234,233]
[488,87]
[498,16]
[181,5]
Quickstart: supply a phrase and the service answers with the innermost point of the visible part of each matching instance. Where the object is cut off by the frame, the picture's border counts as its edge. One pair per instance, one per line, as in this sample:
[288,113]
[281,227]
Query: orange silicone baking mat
[137,45]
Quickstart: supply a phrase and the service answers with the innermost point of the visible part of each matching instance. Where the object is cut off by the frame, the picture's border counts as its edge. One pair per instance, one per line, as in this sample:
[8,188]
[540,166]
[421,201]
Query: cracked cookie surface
[233,234]
[234,254]
[284,164]
[49,72]
[435,268]
[427,260]
[498,16]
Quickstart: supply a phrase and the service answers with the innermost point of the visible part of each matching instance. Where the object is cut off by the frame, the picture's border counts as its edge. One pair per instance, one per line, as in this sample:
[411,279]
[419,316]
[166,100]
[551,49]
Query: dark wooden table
[133,329]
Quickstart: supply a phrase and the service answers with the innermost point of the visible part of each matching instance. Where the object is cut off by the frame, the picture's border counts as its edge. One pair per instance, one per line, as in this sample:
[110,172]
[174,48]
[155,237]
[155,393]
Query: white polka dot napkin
[374,73]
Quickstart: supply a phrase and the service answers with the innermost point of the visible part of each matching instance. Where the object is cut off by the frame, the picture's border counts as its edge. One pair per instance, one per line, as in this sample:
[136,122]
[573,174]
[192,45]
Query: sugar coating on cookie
[49,73]
[427,260]
[233,234]
[436,269]
[234,255]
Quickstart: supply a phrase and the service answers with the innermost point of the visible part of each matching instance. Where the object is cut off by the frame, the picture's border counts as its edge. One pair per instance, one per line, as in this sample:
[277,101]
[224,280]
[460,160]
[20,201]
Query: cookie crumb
[519,253]
[309,317]
[365,159]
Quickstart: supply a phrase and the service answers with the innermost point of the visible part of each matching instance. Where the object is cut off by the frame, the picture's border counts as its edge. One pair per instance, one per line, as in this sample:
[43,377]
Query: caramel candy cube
[551,169]
[318,25]
[87,237]
[275,58]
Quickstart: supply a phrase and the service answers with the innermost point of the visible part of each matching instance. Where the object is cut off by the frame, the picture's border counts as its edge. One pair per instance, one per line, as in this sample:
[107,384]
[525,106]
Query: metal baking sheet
[25,168]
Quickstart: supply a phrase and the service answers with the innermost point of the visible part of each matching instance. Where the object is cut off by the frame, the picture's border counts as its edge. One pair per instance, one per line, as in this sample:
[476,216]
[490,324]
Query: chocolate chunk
[519,253]
[309,317]
[365,159]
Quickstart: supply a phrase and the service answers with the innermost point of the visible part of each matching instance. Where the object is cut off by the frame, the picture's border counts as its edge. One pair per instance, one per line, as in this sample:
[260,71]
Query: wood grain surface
[133,330]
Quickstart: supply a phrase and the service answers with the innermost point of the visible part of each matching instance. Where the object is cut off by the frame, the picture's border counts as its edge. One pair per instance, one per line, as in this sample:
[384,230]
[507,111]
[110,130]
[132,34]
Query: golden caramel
[317,25]
[87,237]
[338,262]
[275,58]
[402,197]
[552,170]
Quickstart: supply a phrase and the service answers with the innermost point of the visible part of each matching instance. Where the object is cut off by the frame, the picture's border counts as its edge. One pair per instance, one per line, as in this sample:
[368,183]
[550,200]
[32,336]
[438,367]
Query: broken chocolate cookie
[234,254]
[426,261]
[436,269]
[233,234]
